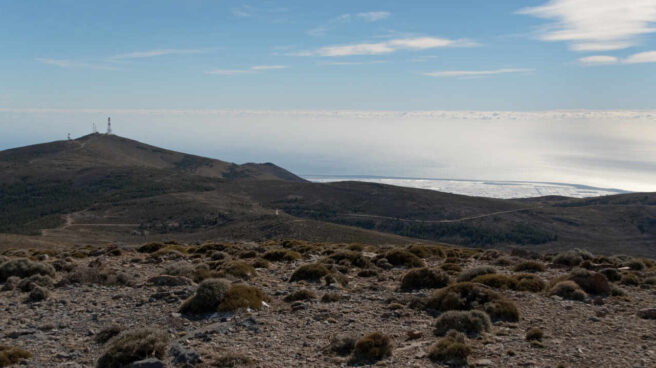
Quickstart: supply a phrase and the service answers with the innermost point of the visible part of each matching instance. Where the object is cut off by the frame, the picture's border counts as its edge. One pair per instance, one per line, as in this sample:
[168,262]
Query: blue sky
[375,55]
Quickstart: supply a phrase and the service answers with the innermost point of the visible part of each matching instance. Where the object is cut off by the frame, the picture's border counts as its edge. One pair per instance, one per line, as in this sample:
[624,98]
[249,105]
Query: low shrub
[241,296]
[351,258]
[496,281]
[239,269]
[368,273]
[134,345]
[471,323]
[23,267]
[424,278]
[467,296]
[281,255]
[150,247]
[568,259]
[371,348]
[341,345]
[260,263]
[502,310]
[96,275]
[591,282]
[209,294]
[529,282]
[427,251]
[300,295]
[309,272]
[451,268]
[10,355]
[27,284]
[470,274]
[612,274]
[529,266]
[452,350]
[568,290]
[331,298]
[37,294]
[107,333]
[403,258]
[233,360]
[534,334]
[635,265]
[630,279]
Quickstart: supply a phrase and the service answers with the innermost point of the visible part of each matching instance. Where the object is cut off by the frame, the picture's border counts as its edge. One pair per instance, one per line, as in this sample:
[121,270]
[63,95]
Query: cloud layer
[476,73]
[386,47]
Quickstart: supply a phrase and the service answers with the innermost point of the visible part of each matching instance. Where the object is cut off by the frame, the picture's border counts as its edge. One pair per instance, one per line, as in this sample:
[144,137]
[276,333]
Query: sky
[553,90]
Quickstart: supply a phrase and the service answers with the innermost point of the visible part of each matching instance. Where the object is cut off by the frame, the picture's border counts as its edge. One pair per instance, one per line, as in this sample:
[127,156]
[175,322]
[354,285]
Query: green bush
[452,350]
[10,355]
[209,294]
[23,267]
[471,323]
[371,348]
[134,345]
[424,278]
[309,272]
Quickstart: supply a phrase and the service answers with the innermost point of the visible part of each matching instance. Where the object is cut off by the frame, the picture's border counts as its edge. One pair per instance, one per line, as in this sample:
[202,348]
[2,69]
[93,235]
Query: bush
[37,294]
[471,323]
[451,268]
[591,282]
[630,279]
[371,348]
[529,266]
[426,251]
[368,273]
[281,255]
[241,296]
[612,274]
[94,275]
[470,274]
[150,247]
[341,345]
[534,334]
[239,269]
[261,263]
[351,258]
[424,278]
[209,294]
[11,355]
[331,298]
[528,282]
[23,267]
[636,265]
[568,290]
[467,296]
[452,349]
[496,281]
[300,295]
[572,257]
[107,333]
[27,284]
[233,361]
[309,272]
[131,346]
[403,258]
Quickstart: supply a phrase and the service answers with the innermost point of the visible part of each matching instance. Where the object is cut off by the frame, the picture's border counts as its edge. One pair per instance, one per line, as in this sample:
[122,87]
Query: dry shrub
[281,255]
[37,294]
[94,275]
[452,350]
[134,345]
[568,290]
[496,281]
[368,273]
[303,294]
[331,298]
[451,268]
[612,274]
[534,334]
[403,258]
[351,258]
[371,348]
[630,279]
[427,251]
[10,355]
[309,272]
[107,333]
[591,282]
[341,345]
[467,296]
[471,323]
[241,296]
[260,263]
[424,278]
[472,273]
[232,360]
[209,294]
[27,284]
[239,269]
[23,267]
[529,266]
[528,282]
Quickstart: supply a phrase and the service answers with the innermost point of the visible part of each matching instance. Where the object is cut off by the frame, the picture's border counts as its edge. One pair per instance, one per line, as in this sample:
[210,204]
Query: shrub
[630,279]
[242,296]
[470,274]
[107,333]
[451,267]
[239,269]
[424,278]
[341,345]
[331,298]
[591,282]
[496,281]
[612,274]
[11,283]
[528,282]
[650,281]
[568,290]
[23,267]
[209,294]
[636,265]
[569,259]
[471,323]
[529,266]
[281,255]
[504,261]
[94,275]
[426,251]
[261,263]
[467,296]
[452,349]
[368,273]
[10,355]
[134,345]
[309,272]
[27,284]
[233,360]
[37,294]
[150,247]
[300,295]
[371,348]
[534,334]
[403,258]
[351,258]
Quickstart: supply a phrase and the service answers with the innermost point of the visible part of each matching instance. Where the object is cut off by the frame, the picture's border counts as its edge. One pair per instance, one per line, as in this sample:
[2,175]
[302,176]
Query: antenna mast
[109,125]
[94,130]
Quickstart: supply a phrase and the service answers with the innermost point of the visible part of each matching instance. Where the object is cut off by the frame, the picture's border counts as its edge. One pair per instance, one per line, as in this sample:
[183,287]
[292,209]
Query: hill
[104,188]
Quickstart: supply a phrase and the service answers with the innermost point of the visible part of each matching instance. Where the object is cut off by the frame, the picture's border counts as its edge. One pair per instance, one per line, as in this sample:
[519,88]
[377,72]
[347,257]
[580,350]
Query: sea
[480,188]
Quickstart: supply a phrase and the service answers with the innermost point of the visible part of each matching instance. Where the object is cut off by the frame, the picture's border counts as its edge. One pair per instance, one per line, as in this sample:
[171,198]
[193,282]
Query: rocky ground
[95,288]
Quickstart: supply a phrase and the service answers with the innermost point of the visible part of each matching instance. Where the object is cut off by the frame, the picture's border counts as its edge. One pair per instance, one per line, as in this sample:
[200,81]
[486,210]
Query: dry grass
[471,323]
[424,278]
[133,345]
[10,355]
[371,348]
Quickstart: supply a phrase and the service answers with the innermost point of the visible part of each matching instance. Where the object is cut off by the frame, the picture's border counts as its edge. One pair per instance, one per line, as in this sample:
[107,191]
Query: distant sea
[480,188]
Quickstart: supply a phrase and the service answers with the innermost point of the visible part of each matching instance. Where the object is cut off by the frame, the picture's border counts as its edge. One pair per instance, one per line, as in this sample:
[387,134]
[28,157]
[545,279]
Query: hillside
[102,188]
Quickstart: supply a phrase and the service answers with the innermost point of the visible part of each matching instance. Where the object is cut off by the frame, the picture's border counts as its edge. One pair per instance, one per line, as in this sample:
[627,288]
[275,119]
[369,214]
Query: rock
[181,355]
[482,363]
[413,335]
[168,280]
[647,313]
[146,363]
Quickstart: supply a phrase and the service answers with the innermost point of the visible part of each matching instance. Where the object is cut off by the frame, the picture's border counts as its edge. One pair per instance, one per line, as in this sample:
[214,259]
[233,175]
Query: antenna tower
[109,126]
[94,130]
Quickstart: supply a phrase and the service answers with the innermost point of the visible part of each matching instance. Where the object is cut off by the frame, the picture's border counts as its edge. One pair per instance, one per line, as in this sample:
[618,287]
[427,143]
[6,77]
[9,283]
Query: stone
[146,363]
[647,313]
[181,355]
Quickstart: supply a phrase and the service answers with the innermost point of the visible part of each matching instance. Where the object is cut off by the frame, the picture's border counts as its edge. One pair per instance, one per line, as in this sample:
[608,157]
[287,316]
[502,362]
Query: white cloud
[373,16]
[475,73]
[596,25]
[253,69]
[598,60]
[74,64]
[155,53]
[642,57]
[386,47]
